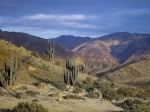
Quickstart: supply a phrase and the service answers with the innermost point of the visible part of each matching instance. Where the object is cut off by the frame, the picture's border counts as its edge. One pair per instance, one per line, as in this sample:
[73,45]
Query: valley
[88,74]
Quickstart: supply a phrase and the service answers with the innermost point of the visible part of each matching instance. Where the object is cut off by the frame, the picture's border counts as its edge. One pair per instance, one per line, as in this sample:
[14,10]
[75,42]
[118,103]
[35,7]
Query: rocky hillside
[32,66]
[124,47]
[131,73]
[97,50]
[33,43]
[70,41]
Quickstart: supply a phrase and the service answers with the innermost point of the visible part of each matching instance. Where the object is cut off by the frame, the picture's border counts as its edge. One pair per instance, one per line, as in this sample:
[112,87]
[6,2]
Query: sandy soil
[53,105]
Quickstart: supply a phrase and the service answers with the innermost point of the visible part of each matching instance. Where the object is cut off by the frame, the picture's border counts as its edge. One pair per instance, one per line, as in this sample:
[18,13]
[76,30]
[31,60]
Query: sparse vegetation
[29,107]
[135,106]
[73,97]
[77,90]
[70,72]
[31,93]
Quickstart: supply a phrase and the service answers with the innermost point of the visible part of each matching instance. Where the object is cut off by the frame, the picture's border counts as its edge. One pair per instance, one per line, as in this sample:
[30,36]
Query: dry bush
[29,107]
[31,93]
[135,106]
[93,95]
[35,54]
[77,90]
[73,97]
[129,92]
[88,81]
[59,84]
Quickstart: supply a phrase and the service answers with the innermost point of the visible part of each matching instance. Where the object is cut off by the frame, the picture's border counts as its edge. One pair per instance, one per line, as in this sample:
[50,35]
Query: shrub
[35,54]
[59,84]
[93,95]
[77,90]
[112,95]
[102,86]
[135,106]
[32,93]
[129,92]
[80,85]
[29,107]
[73,97]
[88,81]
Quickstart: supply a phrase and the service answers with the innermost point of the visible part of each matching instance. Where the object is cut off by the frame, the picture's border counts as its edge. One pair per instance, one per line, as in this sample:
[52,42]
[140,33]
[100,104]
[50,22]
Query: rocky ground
[52,98]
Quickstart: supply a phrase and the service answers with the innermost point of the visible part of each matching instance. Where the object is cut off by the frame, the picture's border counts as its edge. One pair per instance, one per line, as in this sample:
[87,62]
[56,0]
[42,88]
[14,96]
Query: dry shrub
[73,97]
[77,90]
[29,107]
[135,106]
[31,93]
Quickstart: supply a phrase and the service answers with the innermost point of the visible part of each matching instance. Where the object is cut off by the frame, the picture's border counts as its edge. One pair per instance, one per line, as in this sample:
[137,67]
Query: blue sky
[94,18]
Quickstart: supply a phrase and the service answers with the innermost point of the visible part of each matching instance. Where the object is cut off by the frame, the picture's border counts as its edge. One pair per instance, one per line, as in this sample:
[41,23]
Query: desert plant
[134,106]
[73,97]
[29,107]
[50,51]
[70,72]
[35,54]
[31,93]
[88,81]
[59,84]
[129,92]
[11,72]
[77,90]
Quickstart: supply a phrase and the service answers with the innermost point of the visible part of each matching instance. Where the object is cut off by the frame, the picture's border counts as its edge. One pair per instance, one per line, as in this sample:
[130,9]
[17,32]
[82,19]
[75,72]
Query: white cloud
[78,25]
[72,17]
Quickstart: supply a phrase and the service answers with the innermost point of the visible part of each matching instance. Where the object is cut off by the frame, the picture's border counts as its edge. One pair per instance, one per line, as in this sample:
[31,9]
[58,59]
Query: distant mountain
[102,52]
[131,73]
[32,43]
[70,41]
[123,46]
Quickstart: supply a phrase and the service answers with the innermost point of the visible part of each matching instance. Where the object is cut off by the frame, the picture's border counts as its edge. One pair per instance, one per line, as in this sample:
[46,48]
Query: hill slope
[124,47]
[70,41]
[32,43]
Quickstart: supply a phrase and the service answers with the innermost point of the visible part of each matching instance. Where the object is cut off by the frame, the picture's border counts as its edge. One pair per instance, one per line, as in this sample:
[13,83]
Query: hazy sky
[52,18]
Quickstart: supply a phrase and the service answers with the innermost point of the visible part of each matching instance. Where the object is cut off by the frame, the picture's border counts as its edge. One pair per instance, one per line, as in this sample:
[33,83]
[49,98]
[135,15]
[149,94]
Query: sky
[93,18]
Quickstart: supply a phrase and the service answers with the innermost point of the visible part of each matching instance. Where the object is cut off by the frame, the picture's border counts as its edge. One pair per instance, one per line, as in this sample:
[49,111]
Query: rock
[31,68]
[67,87]
[60,99]
[71,89]
[42,85]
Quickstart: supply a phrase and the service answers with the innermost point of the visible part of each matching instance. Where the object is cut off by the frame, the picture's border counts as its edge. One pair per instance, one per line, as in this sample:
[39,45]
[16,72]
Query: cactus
[70,72]
[82,68]
[50,51]
[11,72]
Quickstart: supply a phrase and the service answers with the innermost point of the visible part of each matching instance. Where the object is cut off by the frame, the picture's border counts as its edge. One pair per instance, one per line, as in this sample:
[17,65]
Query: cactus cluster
[51,50]
[70,72]
[12,70]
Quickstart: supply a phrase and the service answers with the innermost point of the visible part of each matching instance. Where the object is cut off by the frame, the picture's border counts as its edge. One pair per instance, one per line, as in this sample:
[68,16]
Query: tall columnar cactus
[70,72]
[51,50]
[11,72]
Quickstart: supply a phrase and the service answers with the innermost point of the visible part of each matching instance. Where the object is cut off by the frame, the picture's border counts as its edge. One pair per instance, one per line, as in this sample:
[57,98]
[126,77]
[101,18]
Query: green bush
[29,107]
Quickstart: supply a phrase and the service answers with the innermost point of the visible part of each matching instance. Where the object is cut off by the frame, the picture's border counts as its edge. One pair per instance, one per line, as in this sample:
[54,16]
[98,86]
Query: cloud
[78,25]
[72,17]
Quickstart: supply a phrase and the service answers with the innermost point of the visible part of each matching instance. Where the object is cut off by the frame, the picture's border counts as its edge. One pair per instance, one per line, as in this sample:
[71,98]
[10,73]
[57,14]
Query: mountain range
[101,52]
